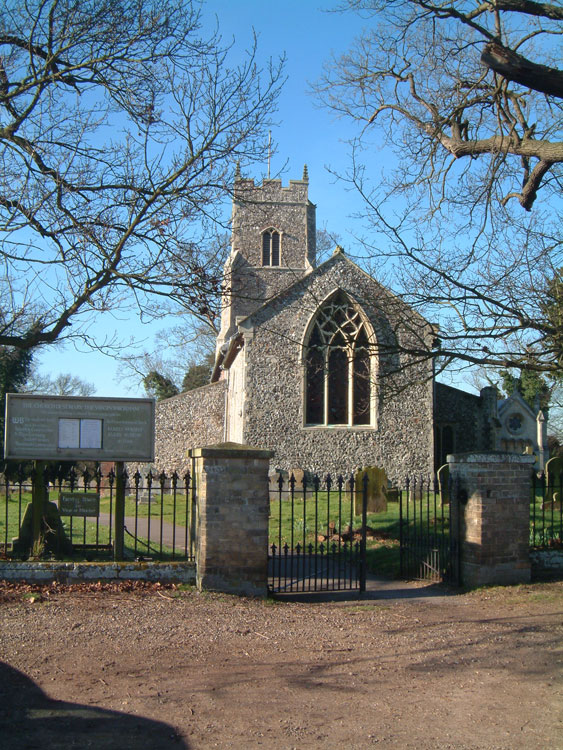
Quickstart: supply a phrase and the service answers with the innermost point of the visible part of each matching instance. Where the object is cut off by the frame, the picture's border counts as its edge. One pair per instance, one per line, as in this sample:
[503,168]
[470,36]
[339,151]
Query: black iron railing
[158,521]
[317,535]
[325,535]
[428,531]
[546,512]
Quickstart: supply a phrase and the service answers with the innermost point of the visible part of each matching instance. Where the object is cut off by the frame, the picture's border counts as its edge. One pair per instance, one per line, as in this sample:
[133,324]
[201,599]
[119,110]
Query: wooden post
[38,504]
[118,538]
[193,509]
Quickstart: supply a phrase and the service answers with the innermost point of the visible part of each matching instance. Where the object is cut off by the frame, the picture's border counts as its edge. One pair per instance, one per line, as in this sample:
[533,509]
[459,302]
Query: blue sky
[305,134]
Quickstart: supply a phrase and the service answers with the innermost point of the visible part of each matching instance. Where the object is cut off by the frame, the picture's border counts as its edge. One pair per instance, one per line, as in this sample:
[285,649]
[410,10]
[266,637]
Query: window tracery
[338,366]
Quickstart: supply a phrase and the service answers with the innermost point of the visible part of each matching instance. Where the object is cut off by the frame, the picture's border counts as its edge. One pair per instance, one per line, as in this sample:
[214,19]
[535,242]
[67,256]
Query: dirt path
[158,668]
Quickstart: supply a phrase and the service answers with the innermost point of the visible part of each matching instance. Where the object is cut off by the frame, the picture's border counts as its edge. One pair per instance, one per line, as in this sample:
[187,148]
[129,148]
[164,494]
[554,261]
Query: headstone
[554,470]
[444,484]
[553,506]
[274,481]
[553,477]
[376,497]
[141,493]
[298,475]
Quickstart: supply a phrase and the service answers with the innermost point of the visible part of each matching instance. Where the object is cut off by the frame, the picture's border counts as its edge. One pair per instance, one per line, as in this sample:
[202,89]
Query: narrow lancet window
[270,247]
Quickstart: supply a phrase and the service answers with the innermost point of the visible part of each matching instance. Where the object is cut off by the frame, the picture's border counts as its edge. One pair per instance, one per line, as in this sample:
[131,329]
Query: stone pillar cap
[229,450]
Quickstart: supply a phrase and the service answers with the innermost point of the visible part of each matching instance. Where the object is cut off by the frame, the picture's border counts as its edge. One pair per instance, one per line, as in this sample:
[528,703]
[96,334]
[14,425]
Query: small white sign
[80,433]
[69,433]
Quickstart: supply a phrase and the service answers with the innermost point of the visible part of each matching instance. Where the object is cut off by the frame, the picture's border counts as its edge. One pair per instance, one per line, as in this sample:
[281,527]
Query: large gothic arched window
[339,385]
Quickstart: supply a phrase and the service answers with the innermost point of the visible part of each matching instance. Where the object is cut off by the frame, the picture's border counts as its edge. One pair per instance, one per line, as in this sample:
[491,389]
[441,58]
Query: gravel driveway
[148,666]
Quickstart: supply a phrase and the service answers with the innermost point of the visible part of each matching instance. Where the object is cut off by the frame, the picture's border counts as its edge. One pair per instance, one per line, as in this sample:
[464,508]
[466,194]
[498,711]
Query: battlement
[272,190]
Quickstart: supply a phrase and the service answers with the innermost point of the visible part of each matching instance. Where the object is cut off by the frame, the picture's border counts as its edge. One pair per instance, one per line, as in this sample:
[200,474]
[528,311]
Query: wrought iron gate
[316,543]
[429,525]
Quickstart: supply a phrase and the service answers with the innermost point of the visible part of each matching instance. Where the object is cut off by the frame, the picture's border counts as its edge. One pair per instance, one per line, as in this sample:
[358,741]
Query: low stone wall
[68,572]
[547,560]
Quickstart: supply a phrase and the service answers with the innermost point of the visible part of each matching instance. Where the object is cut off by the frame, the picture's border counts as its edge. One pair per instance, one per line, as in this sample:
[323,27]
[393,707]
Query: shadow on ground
[30,719]
[377,589]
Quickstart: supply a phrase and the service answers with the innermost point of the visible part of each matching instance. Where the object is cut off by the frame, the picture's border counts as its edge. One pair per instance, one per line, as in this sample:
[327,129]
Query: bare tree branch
[120,130]
[516,68]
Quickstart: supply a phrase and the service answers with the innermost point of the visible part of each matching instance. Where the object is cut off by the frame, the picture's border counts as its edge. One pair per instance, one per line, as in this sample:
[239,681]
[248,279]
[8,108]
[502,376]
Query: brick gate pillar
[232,493]
[494,493]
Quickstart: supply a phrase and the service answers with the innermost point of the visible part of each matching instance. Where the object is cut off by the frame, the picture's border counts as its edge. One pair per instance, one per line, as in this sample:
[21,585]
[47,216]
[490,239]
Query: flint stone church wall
[402,440]
[189,420]
[467,414]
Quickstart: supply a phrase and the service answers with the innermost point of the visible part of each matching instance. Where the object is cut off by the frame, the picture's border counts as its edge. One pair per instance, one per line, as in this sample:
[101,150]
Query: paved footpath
[172,536]
[376,586]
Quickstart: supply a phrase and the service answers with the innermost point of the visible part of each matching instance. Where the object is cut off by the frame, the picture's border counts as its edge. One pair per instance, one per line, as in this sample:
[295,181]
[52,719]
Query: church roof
[338,256]
[516,399]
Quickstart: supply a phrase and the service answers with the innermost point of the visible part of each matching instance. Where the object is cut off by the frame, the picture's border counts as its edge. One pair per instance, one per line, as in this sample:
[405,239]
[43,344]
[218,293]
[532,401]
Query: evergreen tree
[532,386]
[159,386]
[15,365]
[199,374]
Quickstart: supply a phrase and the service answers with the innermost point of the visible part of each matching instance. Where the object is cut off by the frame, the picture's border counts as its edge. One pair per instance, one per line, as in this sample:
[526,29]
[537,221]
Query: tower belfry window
[270,247]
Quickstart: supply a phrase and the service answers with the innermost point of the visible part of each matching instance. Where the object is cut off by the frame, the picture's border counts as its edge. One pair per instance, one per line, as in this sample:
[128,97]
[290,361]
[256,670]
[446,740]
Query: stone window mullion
[343,394]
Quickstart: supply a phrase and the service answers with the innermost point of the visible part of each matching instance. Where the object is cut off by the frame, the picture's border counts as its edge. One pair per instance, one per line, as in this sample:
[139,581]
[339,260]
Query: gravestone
[140,494]
[443,475]
[554,505]
[274,482]
[553,479]
[376,496]
[554,471]
[298,475]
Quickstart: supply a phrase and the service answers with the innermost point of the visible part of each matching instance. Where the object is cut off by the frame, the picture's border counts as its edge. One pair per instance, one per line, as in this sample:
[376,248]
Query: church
[325,366]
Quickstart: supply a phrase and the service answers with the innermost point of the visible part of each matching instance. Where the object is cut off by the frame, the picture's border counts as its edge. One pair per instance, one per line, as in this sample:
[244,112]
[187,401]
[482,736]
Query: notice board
[78,428]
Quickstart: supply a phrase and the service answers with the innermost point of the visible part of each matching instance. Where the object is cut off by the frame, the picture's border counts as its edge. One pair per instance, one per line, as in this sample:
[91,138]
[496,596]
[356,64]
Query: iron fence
[158,522]
[546,513]
[428,531]
[325,535]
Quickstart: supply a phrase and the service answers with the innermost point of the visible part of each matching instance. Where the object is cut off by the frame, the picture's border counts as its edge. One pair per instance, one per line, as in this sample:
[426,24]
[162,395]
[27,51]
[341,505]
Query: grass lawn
[172,508]
[546,524]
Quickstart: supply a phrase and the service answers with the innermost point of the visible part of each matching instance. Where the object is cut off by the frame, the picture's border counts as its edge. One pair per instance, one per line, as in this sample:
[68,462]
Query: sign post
[76,428]
[38,500]
[119,511]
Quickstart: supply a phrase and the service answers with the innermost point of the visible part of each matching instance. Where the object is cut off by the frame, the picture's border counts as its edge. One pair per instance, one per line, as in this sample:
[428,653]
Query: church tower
[272,245]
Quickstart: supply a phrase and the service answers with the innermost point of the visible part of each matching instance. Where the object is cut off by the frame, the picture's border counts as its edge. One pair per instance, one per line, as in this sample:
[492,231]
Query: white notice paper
[90,433]
[69,433]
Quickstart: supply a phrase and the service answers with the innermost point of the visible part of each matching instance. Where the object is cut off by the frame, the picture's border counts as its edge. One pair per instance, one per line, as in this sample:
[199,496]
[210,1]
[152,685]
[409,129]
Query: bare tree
[120,130]
[475,143]
[192,327]
[64,384]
